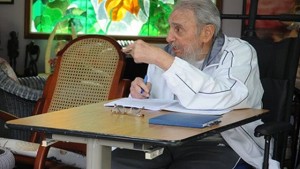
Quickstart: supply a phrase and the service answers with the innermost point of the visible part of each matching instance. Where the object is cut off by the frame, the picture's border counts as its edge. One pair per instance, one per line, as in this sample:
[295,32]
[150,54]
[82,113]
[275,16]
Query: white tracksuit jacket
[227,79]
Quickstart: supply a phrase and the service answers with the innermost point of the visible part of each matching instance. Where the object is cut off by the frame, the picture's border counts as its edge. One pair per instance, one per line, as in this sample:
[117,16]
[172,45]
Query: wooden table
[100,129]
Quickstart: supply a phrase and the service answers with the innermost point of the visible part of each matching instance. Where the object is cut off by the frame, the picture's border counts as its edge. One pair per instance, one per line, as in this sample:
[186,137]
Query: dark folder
[185,120]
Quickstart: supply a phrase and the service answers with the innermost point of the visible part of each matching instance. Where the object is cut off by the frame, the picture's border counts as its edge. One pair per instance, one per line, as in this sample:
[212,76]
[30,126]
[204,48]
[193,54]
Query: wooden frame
[35,35]
[6,1]
[269,27]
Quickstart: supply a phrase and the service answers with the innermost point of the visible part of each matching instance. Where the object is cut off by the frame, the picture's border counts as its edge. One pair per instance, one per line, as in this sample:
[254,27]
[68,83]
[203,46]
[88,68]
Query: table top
[97,121]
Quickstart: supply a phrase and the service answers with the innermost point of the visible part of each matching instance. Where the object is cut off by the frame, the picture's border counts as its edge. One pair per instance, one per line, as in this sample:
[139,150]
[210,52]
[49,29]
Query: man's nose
[170,38]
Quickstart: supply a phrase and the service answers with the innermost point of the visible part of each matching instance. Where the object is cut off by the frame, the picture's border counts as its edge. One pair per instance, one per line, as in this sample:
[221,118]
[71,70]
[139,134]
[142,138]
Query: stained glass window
[124,19]
[112,17]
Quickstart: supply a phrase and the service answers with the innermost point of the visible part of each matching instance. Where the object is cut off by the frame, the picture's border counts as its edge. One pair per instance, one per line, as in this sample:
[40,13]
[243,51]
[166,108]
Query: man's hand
[139,89]
[143,52]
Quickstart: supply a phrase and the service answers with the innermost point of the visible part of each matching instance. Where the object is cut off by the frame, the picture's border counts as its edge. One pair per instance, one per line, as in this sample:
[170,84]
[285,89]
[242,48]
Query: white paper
[177,107]
[150,104]
[161,104]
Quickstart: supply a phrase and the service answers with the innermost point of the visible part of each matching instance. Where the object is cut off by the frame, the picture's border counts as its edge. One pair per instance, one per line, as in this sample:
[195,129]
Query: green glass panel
[108,17]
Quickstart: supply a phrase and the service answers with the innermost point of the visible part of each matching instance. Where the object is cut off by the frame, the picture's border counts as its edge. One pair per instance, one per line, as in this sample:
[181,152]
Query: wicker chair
[89,69]
[17,100]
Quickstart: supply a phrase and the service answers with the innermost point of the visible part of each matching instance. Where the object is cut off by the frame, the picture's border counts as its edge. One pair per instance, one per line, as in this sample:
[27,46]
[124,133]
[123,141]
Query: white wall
[232,27]
[12,19]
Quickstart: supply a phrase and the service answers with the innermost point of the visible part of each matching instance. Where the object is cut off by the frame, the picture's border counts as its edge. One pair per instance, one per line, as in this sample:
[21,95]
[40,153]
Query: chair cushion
[4,65]
[30,149]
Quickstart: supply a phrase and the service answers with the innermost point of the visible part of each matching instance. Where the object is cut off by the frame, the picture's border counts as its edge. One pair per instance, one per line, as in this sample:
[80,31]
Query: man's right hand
[139,89]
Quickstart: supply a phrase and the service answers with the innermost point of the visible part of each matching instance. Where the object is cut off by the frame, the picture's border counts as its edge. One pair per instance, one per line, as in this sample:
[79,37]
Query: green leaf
[157,24]
[141,4]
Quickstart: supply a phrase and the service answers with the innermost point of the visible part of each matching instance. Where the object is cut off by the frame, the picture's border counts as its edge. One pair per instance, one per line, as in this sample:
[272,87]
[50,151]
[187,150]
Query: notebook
[186,120]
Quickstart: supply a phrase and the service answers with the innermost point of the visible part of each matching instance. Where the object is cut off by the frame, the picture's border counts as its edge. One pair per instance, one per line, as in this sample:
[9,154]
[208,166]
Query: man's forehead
[182,17]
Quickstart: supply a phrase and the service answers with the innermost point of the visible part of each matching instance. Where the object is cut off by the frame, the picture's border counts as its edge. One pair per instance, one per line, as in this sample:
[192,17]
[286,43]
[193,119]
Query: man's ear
[207,33]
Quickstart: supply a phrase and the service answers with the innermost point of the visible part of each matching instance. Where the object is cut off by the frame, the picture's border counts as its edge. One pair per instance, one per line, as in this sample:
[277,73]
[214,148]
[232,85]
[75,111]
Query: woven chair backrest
[87,69]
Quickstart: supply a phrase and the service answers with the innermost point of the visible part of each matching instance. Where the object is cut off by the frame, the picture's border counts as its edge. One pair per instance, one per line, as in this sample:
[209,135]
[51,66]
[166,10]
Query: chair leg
[266,152]
[297,156]
[41,157]
[295,146]
[295,131]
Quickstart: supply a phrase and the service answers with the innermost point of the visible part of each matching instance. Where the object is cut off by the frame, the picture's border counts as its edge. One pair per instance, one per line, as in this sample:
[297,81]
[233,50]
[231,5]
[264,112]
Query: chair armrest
[34,82]
[6,116]
[269,129]
[10,86]
[124,86]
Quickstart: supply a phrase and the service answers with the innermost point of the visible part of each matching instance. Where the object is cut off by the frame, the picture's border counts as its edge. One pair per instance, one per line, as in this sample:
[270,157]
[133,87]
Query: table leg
[98,156]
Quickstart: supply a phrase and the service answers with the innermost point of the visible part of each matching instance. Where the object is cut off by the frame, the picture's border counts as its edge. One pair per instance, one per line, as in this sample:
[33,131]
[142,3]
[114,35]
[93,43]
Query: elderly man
[205,70]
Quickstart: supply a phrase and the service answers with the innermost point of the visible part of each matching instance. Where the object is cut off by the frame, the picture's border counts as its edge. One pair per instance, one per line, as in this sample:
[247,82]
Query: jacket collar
[214,55]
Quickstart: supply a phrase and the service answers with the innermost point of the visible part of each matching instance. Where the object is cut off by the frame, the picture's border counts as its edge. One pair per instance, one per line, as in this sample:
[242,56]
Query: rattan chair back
[88,70]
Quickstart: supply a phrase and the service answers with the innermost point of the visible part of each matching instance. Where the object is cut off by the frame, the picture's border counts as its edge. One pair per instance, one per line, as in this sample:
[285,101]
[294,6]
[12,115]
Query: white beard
[191,55]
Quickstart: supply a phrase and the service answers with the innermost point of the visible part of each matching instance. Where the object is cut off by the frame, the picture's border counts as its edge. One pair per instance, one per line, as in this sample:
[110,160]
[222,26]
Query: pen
[145,81]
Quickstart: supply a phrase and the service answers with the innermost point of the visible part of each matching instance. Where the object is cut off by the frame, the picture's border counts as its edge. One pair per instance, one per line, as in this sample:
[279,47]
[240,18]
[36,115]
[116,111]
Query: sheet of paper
[160,104]
[176,107]
[150,104]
